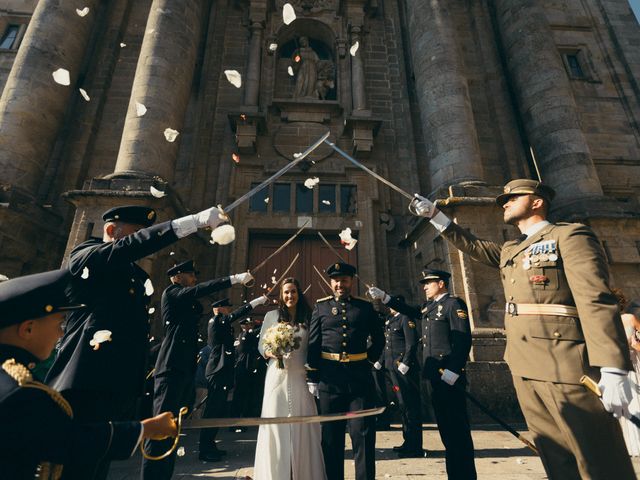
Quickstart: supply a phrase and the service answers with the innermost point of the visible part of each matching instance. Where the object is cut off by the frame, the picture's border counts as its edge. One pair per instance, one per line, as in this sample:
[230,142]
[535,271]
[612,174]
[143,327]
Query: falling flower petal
[326,202]
[61,77]
[223,234]
[163,12]
[99,337]
[170,134]
[275,270]
[140,109]
[148,287]
[346,239]
[85,273]
[180,452]
[354,48]
[122,45]
[235,157]
[234,78]
[311,182]
[266,200]
[273,280]
[152,310]
[84,94]
[83,12]
[156,193]
[297,155]
[273,47]
[288,14]
[290,71]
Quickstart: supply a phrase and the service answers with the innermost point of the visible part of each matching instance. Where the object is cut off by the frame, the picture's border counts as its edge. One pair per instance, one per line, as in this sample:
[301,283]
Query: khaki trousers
[577,438]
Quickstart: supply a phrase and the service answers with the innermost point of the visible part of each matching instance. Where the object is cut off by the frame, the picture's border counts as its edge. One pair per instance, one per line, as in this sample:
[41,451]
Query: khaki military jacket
[561,264]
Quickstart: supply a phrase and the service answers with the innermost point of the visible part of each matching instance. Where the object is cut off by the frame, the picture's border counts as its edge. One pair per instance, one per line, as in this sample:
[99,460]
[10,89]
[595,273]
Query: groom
[339,364]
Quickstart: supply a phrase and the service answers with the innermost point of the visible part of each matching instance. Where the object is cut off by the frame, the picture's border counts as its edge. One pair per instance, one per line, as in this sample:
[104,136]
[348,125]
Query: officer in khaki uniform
[561,322]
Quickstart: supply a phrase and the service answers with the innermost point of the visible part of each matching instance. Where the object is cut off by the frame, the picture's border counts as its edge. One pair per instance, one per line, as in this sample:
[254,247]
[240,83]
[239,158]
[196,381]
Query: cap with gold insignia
[185,267]
[133,214]
[430,275]
[341,269]
[34,296]
[525,186]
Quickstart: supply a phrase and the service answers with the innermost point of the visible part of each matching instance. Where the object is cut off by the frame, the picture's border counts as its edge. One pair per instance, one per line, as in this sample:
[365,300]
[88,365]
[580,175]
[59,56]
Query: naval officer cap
[341,270]
[34,296]
[431,275]
[185,267]
[133,214]
[221,303]
[525,186]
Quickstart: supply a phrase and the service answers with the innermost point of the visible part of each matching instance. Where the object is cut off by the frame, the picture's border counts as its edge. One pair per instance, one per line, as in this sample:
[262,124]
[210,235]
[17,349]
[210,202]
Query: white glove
[403,369]
[449,377]
[377,366]
[211,217]
[243,278]
[422,207]
[376,294]
[262,300]
[313,389]
[616,391]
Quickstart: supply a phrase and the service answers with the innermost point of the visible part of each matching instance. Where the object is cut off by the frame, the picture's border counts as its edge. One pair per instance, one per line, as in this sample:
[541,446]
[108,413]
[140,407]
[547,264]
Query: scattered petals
[288,14]
[172,253]
[326,202]
[83,12]
[84,94]
[297,155]
[156,193]
[346,239]
[170,134]
[180,452]
[122,45]
[152,310]
[223,235]
[273,47]
[85,273]
[148,288]
[354,48]
[235,157]
[99,337]
[234,78]
[311,182]
[274,280]
[140,109]
[297,58]
[61,77]
[266,200]
[275,270]
[290,71]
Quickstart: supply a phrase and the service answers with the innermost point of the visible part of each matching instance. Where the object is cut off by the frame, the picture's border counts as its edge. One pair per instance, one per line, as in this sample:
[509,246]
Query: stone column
[33,106]
[357,73]
[162,83]
[545,100]
[443,95]
[252,84]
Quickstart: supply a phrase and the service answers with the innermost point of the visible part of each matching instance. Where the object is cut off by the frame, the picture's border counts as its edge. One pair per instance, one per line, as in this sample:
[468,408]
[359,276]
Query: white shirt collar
[438,297]
[536,227]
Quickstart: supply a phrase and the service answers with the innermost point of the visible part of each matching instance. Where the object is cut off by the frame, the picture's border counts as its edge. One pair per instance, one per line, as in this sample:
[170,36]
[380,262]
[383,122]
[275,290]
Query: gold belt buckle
[344,357]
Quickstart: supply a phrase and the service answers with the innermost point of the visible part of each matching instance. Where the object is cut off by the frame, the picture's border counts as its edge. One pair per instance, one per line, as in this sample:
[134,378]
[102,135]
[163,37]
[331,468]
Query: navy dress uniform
[402,338]
[446,343]
[177,359]
[39,433]
[246,371]
[340,362]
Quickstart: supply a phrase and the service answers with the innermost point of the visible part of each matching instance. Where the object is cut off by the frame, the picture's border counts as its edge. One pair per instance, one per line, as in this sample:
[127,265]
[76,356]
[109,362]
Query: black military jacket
[115,294]
[343,327]
[247,354]
[220,339]
[402,337]
[446,333]
[35,430]
[181,312]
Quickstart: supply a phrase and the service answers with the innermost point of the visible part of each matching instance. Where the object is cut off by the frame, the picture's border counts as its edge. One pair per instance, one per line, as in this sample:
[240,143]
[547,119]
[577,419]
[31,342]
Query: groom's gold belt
[344,357]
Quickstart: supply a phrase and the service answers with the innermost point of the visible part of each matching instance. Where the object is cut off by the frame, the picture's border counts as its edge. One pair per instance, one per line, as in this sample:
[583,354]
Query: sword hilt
[183,411]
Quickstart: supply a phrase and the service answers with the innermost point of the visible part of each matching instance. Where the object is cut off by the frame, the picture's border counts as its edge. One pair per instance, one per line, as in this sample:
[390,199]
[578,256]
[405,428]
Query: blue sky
[635,6]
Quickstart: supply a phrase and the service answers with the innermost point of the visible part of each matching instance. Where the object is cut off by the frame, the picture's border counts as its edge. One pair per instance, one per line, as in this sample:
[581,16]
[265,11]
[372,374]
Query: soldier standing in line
[339,365]
[220,369]
[561,322]
[176,364]
[246,370]
[399,359]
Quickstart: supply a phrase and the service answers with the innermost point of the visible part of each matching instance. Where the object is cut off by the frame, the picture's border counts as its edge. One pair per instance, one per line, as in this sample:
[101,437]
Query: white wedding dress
[630,431]
[293,451]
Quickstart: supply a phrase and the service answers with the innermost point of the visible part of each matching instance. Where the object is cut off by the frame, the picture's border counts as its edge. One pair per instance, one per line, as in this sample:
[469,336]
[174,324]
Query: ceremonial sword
[593,386]
[283,276]
[335,252]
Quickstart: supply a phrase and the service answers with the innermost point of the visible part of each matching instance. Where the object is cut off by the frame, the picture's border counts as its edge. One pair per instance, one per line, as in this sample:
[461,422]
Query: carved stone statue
[314,77]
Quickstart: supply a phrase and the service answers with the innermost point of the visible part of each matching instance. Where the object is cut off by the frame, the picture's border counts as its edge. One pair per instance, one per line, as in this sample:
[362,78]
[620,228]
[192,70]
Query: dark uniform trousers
[215,407]
[342,327]
[408,395]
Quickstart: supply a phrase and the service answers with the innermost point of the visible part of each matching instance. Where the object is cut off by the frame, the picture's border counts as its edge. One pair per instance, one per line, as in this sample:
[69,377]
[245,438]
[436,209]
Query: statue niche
[309,64]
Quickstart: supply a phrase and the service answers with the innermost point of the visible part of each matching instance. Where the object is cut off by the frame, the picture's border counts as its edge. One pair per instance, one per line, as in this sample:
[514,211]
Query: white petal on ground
[311,182]
[122,45]
[234,78]
[148,288]
[84,94]
[290,70]
[99,337]
[140,109]
[288,14]
[354,48]
[85,273]
[61,77]
[170,134]
[156,193]
[273,47]
[152,310]
[223,235]
[346,239]
[83,12]
[326,202]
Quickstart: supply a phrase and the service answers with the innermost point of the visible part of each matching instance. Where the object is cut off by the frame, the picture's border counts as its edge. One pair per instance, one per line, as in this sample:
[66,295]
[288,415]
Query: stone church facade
[449,98]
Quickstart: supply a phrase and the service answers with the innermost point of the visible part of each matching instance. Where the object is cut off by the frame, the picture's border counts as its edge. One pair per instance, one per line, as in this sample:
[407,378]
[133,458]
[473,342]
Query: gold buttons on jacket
[557,334]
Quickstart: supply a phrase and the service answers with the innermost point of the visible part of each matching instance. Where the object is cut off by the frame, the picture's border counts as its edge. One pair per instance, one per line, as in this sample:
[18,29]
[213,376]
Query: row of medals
[535,260]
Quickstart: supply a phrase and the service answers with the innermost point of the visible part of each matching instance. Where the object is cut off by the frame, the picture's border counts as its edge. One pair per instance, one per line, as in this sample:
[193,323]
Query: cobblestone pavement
[498,456]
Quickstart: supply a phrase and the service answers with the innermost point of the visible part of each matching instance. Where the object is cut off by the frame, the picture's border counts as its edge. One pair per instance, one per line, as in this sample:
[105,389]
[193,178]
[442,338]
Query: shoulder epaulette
[324,299]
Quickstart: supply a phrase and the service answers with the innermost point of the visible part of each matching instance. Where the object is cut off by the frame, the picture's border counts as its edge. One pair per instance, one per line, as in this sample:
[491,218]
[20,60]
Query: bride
[293,451]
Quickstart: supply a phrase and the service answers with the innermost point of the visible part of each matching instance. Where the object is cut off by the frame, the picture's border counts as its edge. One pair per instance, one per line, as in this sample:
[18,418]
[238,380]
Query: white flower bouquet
[280,340]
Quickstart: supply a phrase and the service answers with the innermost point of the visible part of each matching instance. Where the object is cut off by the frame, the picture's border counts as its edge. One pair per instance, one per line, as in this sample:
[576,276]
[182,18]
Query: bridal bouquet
[280,340]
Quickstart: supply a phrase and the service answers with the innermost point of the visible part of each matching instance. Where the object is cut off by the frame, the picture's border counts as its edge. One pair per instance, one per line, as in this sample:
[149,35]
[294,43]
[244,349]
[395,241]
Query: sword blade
[253,421]
[335,252]
[369,171]
[282,247]
[295,259]
[276,175]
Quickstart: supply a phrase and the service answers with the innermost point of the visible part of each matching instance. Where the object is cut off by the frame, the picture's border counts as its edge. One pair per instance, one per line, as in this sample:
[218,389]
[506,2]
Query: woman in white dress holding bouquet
[289,451]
